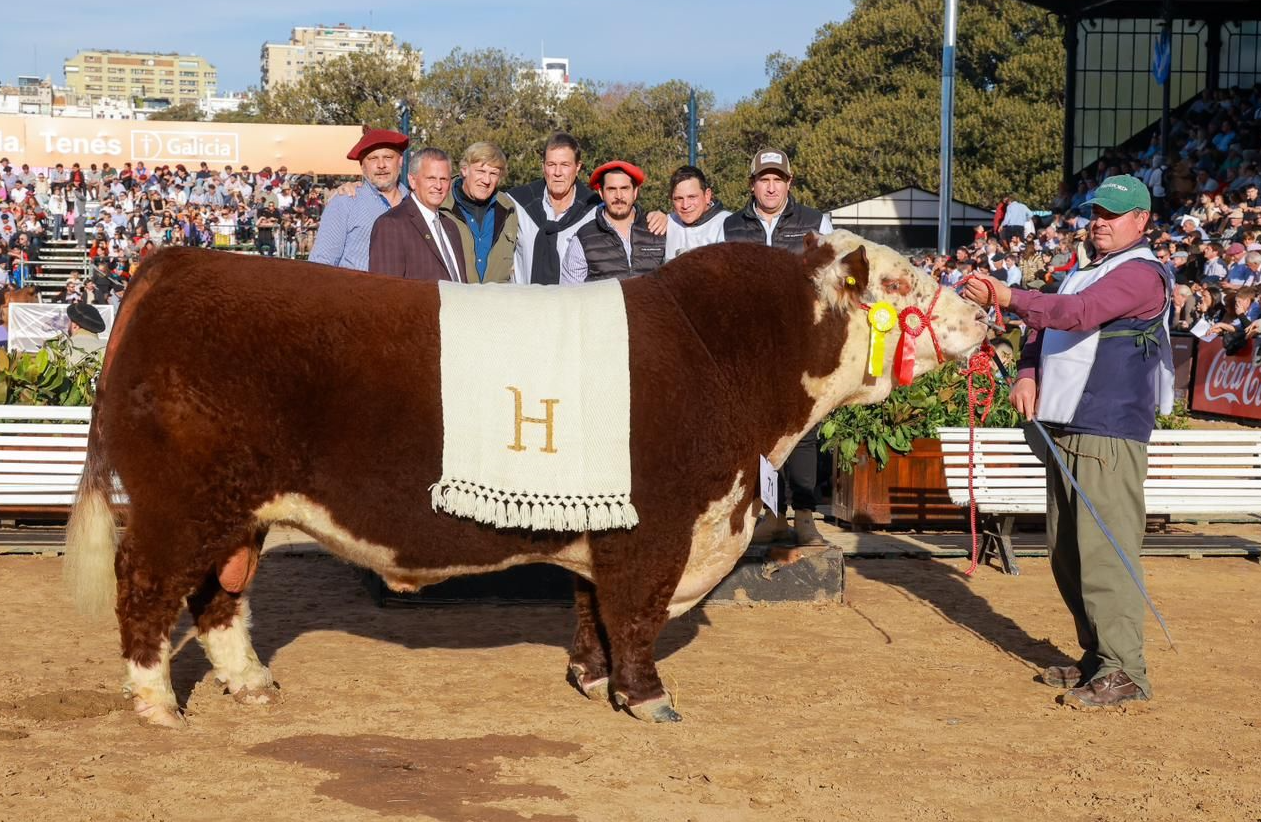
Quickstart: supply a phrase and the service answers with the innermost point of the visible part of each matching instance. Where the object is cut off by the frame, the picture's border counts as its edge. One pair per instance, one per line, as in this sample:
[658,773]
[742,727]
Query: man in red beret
[617,243]
[551,210]
[346,225]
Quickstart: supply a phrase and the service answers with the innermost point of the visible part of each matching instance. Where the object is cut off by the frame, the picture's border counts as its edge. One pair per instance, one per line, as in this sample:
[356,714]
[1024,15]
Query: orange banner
[46,141]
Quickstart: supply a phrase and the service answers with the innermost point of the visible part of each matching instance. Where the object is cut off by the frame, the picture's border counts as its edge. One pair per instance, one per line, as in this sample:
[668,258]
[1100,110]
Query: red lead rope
[980,377]
[979,374]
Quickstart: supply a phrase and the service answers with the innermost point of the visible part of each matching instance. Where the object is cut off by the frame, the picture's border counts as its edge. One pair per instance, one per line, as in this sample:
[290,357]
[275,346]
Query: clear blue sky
[721,46]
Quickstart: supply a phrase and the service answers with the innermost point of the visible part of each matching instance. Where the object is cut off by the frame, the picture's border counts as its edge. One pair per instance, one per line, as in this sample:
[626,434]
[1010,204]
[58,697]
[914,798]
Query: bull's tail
[91,538]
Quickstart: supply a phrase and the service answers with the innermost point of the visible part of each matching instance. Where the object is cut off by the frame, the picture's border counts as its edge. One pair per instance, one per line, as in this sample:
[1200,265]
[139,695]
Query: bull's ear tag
[883,318]
[769,482]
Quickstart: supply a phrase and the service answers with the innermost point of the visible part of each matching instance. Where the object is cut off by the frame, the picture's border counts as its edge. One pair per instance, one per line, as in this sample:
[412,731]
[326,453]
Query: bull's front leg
[589,657]
[634,586]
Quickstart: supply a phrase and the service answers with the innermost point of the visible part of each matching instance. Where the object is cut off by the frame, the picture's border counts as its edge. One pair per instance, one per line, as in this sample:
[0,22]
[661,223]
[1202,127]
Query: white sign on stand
[33,324]
[769,482]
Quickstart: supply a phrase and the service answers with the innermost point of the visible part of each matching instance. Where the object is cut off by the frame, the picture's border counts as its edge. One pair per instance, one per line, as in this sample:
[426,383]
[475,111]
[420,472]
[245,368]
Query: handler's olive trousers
[1105,603]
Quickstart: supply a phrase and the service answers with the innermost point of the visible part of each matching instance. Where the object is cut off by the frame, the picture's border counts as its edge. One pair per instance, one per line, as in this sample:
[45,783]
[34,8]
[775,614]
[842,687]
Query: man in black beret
[86,324]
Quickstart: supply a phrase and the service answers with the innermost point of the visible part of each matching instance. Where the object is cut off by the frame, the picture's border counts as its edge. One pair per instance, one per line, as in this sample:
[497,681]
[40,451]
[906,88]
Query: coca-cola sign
[1228,384]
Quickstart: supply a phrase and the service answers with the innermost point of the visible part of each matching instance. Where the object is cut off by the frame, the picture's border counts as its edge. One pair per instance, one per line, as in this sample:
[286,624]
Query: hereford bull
[239,393]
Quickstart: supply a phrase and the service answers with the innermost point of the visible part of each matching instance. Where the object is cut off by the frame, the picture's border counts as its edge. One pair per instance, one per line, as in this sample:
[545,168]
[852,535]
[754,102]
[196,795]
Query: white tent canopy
[908,206]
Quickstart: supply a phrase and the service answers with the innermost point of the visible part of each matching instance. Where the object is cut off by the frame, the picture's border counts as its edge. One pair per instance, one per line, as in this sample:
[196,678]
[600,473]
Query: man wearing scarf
[550,211]
[485,217]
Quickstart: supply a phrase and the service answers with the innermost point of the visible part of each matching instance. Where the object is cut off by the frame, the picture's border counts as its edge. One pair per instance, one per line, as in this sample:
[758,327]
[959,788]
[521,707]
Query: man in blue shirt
[346,224]
[1014,220]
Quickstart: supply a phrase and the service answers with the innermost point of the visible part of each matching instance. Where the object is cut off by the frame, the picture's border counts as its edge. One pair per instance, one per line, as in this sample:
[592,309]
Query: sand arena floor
[916,701]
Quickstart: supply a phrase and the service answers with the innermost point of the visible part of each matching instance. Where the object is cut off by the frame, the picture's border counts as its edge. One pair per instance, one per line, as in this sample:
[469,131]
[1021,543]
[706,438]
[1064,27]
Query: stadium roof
[1153,9]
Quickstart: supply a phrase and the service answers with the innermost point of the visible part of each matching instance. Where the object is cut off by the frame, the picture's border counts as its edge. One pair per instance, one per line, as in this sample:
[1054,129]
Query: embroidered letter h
[549,420]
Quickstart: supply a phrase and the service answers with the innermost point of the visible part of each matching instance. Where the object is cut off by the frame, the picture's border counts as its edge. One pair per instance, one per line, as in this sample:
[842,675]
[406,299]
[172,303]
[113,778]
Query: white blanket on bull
[535,407]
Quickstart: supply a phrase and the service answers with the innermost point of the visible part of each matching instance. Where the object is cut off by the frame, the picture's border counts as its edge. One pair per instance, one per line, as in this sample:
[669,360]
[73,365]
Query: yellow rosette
[883,318]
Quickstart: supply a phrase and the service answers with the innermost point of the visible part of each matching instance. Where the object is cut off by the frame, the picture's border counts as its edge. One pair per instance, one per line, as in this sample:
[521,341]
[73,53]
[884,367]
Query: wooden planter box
[909,493]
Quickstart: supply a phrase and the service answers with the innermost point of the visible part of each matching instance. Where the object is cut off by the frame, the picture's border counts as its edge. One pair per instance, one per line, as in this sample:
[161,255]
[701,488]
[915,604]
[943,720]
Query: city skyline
[655,42]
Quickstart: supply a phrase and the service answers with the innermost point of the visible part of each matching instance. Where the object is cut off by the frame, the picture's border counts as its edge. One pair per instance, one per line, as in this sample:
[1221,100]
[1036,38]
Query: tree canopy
[858,115]
[182,112]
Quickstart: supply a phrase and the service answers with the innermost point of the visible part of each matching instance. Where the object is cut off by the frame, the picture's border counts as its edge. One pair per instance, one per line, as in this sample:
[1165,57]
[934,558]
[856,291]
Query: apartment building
[127,75]
[309,45]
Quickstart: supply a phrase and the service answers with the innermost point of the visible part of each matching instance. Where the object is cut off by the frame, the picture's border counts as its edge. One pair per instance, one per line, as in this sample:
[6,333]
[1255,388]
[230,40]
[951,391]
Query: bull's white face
[866,273]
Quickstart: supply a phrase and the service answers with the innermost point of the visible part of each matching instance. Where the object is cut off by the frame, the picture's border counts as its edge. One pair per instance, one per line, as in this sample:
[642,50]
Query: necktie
[452,271]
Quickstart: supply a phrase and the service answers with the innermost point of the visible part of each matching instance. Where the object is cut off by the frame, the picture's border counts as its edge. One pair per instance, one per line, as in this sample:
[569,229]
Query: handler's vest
[1109,381]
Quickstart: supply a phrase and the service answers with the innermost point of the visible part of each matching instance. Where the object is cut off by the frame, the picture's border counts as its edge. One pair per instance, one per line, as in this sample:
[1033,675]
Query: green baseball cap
[1121,194]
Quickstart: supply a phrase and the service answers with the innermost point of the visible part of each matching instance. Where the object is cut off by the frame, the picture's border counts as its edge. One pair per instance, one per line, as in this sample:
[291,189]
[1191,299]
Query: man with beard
[485,217]
[551,210]
[696,218]
[346,226]
[617,243]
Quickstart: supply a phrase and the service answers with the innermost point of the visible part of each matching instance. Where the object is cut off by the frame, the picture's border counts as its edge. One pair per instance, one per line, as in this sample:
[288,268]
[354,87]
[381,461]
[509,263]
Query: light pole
[405,126]
[945,193]
[691,127]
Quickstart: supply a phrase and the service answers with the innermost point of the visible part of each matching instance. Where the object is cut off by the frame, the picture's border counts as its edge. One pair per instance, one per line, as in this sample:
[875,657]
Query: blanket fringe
[509,510]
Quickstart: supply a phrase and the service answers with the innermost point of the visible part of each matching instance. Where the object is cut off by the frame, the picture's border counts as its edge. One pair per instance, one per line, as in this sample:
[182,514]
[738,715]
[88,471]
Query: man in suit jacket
[415,240]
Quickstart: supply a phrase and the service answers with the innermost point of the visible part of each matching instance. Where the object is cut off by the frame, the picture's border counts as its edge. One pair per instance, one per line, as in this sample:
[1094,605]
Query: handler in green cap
[1095,368]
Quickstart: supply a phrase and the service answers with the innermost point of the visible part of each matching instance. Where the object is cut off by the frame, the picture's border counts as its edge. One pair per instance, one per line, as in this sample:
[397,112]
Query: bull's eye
[892,286]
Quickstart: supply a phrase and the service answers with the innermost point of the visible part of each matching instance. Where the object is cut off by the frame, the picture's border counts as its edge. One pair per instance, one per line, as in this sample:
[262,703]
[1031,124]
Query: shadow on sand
[296,594]
[945,589]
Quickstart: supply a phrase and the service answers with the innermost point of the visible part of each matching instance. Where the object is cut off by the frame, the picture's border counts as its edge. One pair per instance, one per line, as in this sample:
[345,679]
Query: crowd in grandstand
[1205,227]
[122,214]
[1205,221]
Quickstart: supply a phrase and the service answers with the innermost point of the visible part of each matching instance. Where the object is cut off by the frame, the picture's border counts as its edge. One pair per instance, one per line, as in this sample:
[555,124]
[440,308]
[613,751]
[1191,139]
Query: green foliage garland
[935,400]
[57,374]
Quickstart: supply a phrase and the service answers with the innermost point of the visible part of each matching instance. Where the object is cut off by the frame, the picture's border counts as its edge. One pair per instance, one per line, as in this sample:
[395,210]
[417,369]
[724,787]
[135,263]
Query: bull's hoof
[653,710]
[265,695]
[595,688]
[159,716]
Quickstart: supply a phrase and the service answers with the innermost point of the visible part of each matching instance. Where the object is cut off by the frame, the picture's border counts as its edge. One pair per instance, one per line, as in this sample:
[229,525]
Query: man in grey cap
[1094,369]
[773,217]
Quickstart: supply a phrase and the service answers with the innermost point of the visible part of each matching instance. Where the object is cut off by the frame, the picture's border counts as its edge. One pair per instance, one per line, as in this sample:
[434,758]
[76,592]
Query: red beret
[630,169]
[374,138]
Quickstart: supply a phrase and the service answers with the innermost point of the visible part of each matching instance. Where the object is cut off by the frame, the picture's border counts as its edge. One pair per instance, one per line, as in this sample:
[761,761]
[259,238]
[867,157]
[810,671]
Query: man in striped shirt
[346,225]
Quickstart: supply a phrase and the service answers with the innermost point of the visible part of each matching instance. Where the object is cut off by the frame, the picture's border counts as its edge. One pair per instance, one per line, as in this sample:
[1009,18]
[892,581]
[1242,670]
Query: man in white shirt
[1014,276]
[696,218]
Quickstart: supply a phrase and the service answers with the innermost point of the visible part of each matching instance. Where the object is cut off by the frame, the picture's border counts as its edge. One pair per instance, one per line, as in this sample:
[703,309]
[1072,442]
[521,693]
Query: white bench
[1190,472]
[42,450]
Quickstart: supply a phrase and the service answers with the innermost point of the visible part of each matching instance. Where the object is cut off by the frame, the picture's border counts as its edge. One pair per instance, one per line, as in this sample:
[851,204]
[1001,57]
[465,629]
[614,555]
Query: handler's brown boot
[773,528]
[807,533]
[1107,691]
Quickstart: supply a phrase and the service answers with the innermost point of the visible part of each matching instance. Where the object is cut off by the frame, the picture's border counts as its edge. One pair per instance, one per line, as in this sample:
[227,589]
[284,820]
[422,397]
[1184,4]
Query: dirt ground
[916,701]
